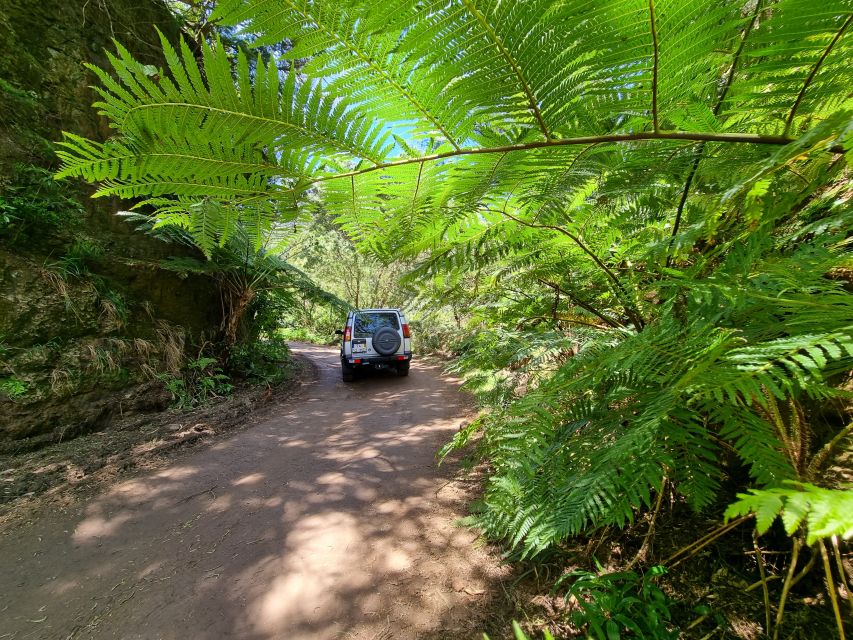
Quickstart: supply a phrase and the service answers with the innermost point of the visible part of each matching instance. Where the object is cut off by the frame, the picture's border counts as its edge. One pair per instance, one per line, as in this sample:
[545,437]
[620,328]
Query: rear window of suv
[366,324]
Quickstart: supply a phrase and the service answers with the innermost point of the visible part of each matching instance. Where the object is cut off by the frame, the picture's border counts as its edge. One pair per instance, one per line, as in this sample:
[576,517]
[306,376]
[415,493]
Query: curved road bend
[327,520]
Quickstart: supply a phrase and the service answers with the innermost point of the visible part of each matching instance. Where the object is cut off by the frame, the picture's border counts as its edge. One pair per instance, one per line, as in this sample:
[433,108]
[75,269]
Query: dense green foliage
[669,401]
[12,387]
[637,211]
[330,258]
[621,604]
[200,380]
[824,512]
[259,290]
[34,203]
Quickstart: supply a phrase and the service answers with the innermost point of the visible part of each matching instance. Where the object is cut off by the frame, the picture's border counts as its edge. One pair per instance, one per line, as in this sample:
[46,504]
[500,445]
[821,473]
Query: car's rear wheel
[347,372]
[403,369]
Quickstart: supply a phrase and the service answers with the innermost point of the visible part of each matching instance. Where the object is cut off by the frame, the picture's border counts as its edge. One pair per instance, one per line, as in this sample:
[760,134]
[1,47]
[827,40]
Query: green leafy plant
[407,140]
[620,605]
[13,388]
[177,387]
[822,513]
[33,202]
[199,382]
[818,514]
[209,379]
[263,360]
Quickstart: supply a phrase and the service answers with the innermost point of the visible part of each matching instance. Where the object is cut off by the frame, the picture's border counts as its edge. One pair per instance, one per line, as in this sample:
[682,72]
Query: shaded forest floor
[714,595]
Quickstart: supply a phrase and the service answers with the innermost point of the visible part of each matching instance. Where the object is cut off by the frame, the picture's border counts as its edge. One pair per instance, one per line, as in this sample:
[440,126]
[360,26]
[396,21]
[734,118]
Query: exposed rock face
[87,316]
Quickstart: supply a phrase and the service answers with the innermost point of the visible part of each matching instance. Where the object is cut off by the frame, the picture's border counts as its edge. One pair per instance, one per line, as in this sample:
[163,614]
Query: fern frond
[822,512]
[783,366]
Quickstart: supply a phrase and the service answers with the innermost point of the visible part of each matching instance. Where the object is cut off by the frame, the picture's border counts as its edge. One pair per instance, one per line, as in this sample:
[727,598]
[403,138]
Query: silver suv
[376,339]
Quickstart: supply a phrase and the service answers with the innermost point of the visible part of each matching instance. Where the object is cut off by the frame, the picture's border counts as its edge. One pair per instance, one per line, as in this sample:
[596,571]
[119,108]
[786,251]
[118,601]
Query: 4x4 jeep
[377,339]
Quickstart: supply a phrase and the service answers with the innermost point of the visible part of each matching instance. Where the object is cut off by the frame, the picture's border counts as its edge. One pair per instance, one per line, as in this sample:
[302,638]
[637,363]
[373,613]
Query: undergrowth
[263,361]
[201,380]
[33,203]
[13,388]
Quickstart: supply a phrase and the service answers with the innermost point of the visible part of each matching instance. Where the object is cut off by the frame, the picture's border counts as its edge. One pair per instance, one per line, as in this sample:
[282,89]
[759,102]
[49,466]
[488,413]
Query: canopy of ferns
[644,202]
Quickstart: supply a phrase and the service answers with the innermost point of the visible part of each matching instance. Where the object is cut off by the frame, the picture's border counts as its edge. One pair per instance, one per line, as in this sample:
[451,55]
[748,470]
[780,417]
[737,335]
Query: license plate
[359,348]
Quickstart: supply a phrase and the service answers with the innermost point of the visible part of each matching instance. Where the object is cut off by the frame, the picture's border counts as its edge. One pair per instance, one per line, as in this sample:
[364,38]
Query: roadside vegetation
[626,224]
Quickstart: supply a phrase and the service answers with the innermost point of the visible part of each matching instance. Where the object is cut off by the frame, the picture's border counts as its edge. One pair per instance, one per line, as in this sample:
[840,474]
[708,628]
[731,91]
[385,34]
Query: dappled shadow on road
[328,521]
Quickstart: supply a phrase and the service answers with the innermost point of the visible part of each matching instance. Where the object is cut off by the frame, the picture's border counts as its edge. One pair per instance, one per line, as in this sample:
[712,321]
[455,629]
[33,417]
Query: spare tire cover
[386,341]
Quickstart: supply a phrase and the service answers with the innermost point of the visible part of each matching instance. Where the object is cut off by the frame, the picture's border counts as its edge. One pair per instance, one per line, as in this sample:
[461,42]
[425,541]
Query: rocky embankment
[88,317]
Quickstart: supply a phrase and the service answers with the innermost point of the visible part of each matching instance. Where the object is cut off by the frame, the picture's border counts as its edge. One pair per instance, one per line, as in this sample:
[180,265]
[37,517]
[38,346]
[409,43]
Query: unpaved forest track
[329,520]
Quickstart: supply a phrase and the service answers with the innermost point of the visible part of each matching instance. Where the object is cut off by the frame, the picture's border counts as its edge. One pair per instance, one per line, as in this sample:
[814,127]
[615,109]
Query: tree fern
[823,512]
[644,204]
[523,76]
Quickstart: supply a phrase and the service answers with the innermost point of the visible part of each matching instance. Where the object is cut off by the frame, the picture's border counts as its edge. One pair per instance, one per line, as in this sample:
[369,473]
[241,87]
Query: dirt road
[328,520]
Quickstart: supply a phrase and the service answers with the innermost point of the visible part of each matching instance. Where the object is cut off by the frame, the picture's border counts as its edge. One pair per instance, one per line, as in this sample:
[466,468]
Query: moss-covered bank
[87,316]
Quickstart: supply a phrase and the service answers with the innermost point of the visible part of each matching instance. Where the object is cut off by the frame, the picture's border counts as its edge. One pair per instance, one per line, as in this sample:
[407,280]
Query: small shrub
[200,381]
[34,201]
[303,334]
[262,360]
[621,605]
[13,388]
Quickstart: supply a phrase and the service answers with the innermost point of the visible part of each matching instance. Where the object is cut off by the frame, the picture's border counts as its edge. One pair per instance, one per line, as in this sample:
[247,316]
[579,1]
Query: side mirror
[338,332]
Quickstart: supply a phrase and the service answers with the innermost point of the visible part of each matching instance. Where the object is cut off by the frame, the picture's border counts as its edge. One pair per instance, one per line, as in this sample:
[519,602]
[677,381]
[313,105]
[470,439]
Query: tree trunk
[235,316]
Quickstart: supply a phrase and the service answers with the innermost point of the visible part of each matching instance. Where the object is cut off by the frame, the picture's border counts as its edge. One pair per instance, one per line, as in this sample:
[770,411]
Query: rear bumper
[397,358]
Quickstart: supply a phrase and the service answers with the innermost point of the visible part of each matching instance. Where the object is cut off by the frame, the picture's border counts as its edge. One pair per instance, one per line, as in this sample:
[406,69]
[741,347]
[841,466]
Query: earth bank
[88,316]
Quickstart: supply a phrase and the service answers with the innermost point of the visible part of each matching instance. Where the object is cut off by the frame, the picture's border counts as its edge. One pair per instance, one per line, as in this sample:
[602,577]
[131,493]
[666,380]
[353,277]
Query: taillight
[347,334]
[406,331]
